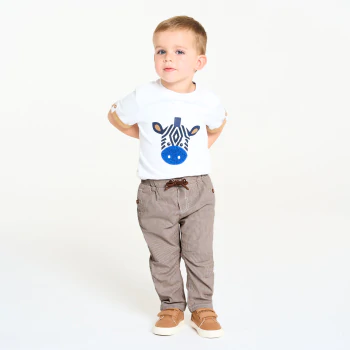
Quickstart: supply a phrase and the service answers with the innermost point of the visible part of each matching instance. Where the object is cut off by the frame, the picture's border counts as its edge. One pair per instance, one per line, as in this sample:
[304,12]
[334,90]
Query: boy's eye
[160,51]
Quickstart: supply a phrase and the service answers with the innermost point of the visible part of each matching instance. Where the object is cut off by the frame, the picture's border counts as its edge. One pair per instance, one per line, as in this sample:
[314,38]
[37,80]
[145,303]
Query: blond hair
[186,23]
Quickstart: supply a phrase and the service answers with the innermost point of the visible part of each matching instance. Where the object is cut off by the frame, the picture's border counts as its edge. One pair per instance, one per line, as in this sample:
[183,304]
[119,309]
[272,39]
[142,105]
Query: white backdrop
[74,268]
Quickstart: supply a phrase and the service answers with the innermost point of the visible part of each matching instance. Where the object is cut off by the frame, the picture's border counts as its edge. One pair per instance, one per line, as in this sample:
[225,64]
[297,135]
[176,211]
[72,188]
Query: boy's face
[176,49]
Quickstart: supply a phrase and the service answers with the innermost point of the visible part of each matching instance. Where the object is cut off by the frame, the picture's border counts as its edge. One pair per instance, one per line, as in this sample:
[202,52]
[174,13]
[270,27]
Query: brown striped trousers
[175,223]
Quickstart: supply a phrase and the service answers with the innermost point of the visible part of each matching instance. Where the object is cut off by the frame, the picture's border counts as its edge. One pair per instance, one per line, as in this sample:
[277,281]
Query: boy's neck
[185,86]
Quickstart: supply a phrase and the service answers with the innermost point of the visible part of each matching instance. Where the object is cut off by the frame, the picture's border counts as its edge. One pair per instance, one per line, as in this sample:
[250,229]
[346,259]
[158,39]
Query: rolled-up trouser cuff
[180,306]
[194,308]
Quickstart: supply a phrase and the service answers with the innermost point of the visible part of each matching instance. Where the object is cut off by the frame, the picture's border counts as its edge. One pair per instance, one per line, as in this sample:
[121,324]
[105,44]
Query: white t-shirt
[172,126]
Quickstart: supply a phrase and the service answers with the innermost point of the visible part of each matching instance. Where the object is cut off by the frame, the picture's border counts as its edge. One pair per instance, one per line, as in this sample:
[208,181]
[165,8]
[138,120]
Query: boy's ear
[202,61]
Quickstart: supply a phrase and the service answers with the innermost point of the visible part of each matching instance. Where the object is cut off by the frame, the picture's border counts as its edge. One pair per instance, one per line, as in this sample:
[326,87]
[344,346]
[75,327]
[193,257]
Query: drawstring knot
[176,182]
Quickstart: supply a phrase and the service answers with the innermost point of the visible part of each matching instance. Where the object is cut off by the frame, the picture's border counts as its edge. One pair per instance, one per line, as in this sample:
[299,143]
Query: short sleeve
[216,116]
[127,109]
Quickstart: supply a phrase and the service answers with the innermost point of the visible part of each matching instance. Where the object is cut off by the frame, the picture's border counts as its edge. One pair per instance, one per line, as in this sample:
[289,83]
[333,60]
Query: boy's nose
[167,58]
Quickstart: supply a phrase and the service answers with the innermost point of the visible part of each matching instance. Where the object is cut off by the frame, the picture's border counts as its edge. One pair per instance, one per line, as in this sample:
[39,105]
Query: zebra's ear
[157,127]
[194,130]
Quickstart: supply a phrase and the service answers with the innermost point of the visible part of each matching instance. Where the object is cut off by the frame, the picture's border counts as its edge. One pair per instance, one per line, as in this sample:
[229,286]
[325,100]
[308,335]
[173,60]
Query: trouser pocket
[208,184]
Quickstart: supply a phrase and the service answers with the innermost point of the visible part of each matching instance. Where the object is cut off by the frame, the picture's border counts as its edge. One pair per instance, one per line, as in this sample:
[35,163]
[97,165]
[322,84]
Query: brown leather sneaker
[170,321]
[203,320]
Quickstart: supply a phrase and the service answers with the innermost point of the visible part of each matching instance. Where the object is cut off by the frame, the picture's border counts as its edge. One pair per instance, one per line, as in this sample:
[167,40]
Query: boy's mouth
[169,69]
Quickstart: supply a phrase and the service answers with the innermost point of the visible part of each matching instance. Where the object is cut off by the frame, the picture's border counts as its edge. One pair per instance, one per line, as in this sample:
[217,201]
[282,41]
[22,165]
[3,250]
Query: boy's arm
[213,134]
[130,130]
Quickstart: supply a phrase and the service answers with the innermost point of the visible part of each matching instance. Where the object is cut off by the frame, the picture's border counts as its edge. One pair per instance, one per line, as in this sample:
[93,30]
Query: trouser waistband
[162,182]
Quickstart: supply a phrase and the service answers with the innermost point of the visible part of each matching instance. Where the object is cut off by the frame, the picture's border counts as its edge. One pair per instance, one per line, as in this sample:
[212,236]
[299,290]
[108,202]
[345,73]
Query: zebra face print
[174,141]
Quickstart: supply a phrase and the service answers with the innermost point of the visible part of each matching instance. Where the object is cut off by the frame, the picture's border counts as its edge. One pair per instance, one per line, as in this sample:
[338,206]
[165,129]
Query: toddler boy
[176,120]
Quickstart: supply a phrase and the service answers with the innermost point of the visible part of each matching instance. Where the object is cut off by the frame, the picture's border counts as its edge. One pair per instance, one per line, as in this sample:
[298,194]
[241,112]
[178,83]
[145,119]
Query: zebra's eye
[168,143]
[181,144]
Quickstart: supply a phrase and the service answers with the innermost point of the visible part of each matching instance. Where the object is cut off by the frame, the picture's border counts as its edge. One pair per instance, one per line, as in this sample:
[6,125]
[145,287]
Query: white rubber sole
[168,330]
[207,334]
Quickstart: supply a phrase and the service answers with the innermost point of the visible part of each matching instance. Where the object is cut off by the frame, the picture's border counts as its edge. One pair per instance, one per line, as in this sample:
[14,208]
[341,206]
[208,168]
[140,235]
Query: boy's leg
[158,218]
[197,246]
